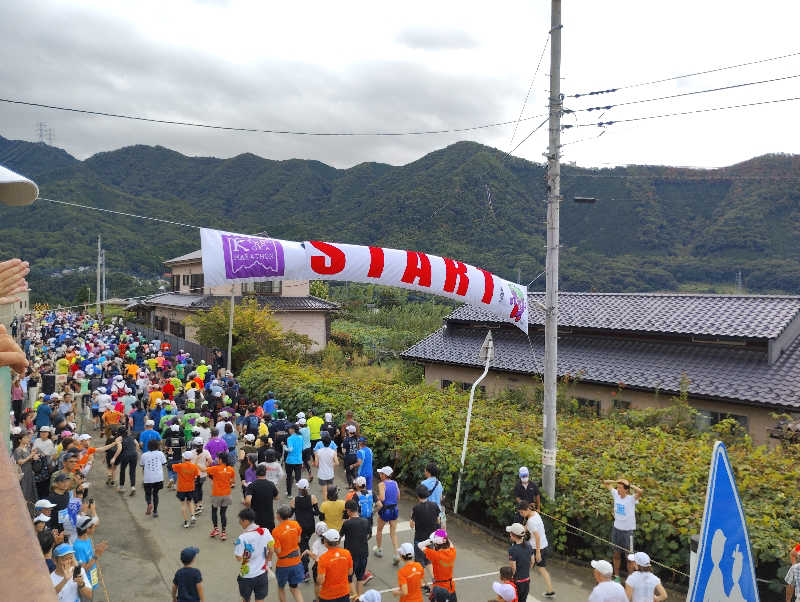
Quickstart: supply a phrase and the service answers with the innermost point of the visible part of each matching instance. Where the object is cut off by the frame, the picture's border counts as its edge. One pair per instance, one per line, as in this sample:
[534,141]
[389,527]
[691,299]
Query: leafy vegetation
[255,332]
[411,424]
[653,228]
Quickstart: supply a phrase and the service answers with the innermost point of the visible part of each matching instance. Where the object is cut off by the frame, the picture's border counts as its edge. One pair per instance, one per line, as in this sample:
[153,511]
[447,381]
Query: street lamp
[486,355]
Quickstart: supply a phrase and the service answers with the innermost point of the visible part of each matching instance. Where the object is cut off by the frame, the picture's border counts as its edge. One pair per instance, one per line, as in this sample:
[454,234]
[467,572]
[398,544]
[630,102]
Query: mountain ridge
[653,227]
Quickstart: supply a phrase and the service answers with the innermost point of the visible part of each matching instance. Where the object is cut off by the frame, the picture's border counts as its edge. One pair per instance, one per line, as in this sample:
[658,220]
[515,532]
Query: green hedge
[409,425]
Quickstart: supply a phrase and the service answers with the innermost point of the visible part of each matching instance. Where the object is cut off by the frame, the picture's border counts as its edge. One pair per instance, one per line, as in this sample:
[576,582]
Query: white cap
[640,558]
[41,518]
[149,422]
[197,441]
[175,427]
[517,529]
[603,567]
[371,595]
[43,504]
[405,549]
[102,390]
[249,437]
[187,455]
[300,415]
[351,428]
[321,528]
[302,484]
[386,470]
[360,481]
[505,590]
[328,417]
[301,421]
[331,535]
[523,471]
[84,437]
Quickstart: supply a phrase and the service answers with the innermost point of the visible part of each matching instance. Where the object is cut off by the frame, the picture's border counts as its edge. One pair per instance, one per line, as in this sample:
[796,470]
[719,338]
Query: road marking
[402,526]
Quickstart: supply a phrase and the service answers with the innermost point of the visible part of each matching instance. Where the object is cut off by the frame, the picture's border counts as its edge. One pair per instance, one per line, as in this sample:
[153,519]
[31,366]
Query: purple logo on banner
[248,257]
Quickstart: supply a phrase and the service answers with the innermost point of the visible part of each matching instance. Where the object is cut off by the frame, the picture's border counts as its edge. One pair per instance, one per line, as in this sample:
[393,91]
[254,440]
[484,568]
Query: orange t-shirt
[154,397]
[222,478]
[287,543]
[85,457]
[132,369]
[187,472]
[335,565]
[443,562]
[112,417]
[411,575]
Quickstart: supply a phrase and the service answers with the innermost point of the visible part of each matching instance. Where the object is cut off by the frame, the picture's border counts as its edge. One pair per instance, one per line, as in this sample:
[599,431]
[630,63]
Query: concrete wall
[758,419]
[310,323]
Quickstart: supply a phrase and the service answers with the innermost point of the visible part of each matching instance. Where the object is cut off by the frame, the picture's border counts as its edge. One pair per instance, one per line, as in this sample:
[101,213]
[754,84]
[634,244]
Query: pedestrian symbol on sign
[725,571]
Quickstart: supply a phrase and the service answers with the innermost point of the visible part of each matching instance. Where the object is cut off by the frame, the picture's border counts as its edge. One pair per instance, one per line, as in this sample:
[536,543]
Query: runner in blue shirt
[364,462]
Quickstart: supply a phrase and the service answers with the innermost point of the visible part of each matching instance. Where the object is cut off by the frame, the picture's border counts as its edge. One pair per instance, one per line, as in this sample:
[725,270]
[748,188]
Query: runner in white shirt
[152,463]
[606,590]
[253,550]
[537,542]
[325,459]
[642,585]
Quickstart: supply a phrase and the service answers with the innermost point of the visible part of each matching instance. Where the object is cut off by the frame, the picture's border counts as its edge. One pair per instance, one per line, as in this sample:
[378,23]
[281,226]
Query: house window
[268,287]
[176,283]
[186,279]
[588,407]
[196,284]
[446,383]
[705,419]
[462,386]
[178,329]
[622,405]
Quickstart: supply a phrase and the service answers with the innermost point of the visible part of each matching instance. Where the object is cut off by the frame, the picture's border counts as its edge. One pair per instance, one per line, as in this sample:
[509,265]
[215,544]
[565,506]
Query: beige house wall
[758,419]
[310,323]
[18,308]
[289,288]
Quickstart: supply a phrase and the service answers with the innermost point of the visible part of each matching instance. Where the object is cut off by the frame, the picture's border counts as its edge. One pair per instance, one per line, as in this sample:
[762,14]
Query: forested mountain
[652,228]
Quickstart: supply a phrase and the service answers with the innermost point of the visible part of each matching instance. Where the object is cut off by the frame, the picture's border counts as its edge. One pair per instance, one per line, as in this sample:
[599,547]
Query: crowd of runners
[99,392]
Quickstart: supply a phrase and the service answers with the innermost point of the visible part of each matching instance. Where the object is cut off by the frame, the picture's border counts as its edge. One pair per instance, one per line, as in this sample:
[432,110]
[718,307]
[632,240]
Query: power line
[533,79]
[263,131]
[532,132]
[154,219]
[668,79]
[730,87]
[709,110]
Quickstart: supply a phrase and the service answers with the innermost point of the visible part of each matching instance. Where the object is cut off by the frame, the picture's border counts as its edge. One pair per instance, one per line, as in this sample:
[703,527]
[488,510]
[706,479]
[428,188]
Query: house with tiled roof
[737,355]
[290,301]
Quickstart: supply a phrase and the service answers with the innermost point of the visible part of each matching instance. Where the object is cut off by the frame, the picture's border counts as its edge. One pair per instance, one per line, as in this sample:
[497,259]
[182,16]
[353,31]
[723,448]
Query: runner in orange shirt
[222,478]
[409,577]
[442,555]
[289,568]
[187,472]
[334,570]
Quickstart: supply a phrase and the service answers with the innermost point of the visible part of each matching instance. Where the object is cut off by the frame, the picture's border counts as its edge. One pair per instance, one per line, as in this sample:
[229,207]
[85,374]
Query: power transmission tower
[42,127]
[551,288]
[51,135]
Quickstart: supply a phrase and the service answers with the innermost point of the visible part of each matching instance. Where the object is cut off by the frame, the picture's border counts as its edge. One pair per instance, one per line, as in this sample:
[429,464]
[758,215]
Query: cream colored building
[19,308]
[737,355]
[292,305]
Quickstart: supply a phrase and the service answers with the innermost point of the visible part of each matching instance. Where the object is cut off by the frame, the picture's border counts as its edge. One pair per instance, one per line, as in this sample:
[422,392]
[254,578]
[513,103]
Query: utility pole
[229,366]
[551,294]
[104,296]
[99,260]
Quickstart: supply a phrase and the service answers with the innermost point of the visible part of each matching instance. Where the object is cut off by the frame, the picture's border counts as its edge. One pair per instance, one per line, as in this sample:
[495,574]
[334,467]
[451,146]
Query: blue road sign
[725,571]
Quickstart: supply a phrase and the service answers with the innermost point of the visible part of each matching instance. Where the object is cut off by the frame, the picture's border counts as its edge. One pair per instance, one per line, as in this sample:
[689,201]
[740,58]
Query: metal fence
[197,351]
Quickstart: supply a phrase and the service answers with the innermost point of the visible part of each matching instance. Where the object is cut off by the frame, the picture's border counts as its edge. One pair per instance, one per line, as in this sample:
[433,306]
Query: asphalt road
[143,552]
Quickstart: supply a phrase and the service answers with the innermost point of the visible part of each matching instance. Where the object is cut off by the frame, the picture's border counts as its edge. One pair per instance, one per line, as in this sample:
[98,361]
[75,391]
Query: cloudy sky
[398,66]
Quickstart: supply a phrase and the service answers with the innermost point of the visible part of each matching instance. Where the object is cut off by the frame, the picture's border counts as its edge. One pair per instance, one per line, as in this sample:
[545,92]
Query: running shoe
[155,514]
[120,490]
[307,577]
[170,484]
[426,588]
[198,509]
[214,532]
[193,520]
[549,594]
[133,491]
[378,552]
[395,560]
[186,524]
[223,536]
[368,577]
[149,509]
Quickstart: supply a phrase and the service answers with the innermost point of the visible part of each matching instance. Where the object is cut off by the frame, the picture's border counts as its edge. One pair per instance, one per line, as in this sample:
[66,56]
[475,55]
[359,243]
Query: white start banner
[229,257]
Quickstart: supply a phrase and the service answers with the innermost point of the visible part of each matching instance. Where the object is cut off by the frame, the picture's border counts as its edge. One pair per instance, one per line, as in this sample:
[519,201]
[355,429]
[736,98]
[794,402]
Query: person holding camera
[70,580]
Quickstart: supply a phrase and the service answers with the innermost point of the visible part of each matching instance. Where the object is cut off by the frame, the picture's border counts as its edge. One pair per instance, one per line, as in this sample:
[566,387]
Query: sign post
[725,570]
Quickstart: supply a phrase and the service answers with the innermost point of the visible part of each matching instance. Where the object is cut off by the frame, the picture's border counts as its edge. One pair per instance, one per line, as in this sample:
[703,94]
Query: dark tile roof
[735,374]
[276,303]
[740,316]
[193,256]
[177,300]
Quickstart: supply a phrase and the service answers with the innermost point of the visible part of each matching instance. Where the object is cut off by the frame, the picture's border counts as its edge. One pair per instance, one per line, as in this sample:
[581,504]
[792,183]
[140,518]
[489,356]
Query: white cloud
[365,66]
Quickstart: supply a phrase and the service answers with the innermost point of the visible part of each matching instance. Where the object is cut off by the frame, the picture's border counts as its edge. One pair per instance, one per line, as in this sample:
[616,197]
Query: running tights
[294,473]
[130,462]
[151,493]
[223,511]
